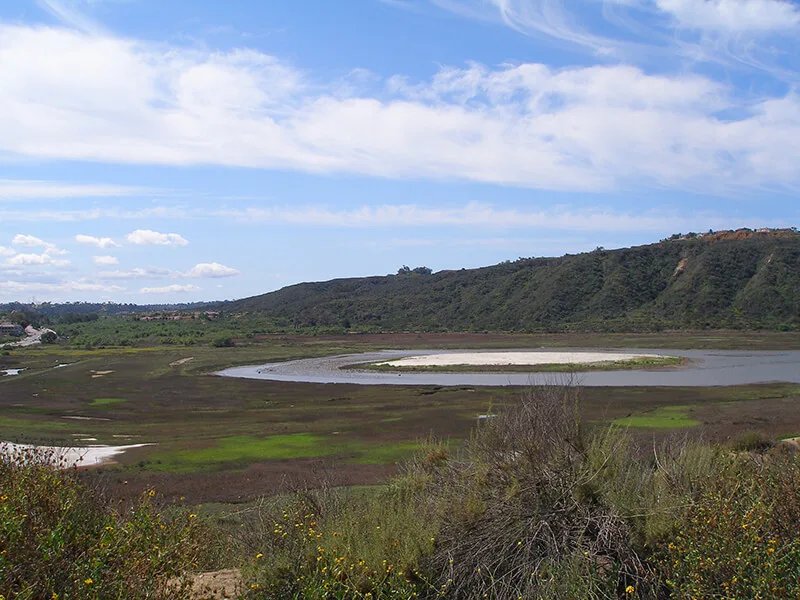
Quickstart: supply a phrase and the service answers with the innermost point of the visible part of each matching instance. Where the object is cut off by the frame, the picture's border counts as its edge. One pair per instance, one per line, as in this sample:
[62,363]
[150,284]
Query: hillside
[741,279]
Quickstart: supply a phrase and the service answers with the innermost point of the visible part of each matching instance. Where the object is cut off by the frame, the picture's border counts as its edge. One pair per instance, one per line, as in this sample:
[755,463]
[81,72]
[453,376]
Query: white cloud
[105,260]
[45,258]
[7,251]
[169,289]
[211,270]
[733,15]
[104,242]
[70,95]
[29,241]
[14,189]
[149,237]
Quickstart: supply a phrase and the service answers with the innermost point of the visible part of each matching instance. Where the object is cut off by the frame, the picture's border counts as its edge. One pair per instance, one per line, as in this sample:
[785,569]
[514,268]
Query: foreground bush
[741,539]
[524,511]
[59,540]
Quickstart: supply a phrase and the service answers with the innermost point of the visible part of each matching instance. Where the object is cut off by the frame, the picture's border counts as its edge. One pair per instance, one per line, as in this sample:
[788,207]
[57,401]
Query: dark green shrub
[49,337]
[223,342]
[750,441]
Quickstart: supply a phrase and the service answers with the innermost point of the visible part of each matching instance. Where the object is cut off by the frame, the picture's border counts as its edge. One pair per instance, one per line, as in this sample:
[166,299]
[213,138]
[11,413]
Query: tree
[49,337]
[223,342]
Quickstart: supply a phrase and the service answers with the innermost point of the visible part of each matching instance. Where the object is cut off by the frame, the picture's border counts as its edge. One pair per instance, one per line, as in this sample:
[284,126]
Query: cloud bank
[72,95]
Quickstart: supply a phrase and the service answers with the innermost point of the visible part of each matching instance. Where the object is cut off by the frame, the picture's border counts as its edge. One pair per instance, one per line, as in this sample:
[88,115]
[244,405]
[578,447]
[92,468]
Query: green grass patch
[235,451]
[386,453]
[663,417]
[101,402]
[240,449]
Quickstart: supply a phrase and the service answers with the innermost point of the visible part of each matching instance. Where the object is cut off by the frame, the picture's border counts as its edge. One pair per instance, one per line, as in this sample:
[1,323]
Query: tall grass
[327,543]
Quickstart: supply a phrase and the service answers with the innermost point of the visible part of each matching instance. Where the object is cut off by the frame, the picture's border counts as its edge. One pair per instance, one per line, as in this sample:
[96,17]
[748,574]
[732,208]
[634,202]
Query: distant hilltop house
[737,234]
[11,329]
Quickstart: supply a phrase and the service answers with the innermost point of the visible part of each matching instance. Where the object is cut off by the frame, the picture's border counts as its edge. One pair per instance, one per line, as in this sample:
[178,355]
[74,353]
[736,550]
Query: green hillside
[741,279]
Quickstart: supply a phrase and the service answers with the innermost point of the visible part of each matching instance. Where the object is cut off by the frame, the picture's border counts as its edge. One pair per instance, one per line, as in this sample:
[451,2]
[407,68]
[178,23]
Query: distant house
[11,329]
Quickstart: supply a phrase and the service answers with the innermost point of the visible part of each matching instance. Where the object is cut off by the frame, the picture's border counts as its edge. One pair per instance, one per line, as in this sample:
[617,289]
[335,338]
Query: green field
[663,417]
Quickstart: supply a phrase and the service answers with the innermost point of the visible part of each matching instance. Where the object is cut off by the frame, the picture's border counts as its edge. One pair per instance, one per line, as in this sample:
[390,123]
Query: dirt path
[217,585]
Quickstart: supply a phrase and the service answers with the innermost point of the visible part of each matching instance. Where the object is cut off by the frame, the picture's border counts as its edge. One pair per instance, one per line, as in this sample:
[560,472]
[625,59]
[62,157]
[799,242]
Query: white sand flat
[512,358]
[67,457]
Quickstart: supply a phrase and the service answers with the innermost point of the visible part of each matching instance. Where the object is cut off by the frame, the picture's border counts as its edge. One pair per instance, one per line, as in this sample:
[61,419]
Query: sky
[157,152]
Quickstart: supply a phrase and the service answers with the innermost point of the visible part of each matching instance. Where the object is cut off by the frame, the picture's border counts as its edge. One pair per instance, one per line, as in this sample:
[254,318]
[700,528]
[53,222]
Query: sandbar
[494,359]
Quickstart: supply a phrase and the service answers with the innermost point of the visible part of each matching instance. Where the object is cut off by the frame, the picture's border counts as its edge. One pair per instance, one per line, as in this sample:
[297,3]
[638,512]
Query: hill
[731,279]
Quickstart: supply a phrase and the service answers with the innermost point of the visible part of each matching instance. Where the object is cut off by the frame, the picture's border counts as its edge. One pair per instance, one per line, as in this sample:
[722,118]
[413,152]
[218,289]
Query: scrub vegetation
[536,503]
[345,491]
[732,280]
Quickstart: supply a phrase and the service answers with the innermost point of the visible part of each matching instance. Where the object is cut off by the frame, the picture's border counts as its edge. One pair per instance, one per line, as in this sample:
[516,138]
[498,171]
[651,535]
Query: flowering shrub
[741,539]
[338,547]
[59,539]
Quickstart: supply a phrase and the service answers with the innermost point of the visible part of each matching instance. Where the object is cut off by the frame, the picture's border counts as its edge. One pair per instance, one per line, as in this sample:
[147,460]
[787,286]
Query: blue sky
[177,151]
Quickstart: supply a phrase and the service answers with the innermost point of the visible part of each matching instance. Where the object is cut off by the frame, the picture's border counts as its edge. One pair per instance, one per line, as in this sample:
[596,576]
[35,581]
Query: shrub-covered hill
[741,279]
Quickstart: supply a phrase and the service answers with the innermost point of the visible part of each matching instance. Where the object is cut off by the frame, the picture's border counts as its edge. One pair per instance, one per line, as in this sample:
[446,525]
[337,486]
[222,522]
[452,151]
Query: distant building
[11,329]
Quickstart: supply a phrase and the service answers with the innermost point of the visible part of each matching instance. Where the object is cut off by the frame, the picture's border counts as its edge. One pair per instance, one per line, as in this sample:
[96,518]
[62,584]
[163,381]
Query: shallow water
[704,368]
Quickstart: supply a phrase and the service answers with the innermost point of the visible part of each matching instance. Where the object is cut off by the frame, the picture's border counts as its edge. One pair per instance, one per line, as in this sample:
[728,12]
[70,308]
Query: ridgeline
[735,279]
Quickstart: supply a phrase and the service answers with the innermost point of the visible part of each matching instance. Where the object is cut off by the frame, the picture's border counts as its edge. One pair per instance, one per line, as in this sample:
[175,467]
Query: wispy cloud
[94,214]
[199,271]
[19,190]
[15,288]
[140,273]
[469,215]
[72,13]
[170,289]
[483,216]
[750,33]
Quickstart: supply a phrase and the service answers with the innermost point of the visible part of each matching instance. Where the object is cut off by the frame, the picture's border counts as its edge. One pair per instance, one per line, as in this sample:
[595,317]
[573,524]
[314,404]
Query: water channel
[703,368]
